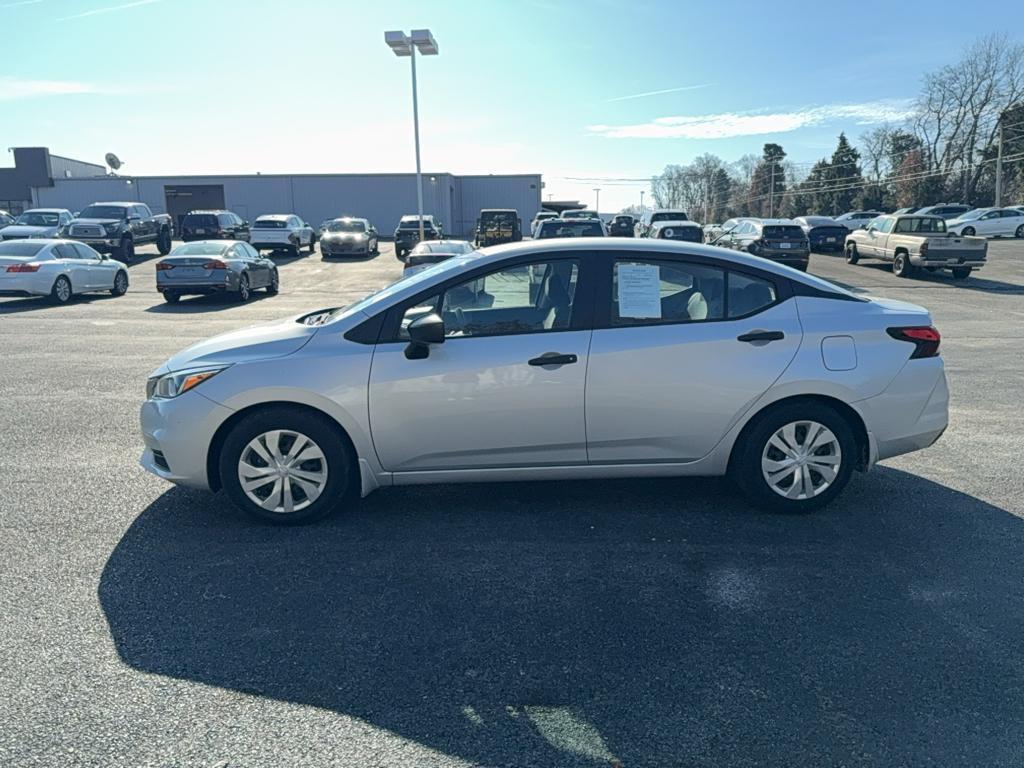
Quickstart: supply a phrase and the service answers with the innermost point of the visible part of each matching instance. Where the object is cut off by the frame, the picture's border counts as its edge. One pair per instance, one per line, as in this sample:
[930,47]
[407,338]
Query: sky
[596,94]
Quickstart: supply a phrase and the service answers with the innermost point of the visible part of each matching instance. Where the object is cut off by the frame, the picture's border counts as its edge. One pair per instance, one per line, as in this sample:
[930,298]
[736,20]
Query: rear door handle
[761,336]
[553,358]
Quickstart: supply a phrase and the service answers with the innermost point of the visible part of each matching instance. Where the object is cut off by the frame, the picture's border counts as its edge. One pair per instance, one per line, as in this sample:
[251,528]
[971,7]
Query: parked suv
[621,225]
[282,232]
[780,240]
[117,228]
[658,214]
[214,225]
[497,226]
[407,233]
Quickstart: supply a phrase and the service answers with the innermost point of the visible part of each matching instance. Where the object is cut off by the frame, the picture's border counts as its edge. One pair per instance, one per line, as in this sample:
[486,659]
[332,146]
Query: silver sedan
[579,358]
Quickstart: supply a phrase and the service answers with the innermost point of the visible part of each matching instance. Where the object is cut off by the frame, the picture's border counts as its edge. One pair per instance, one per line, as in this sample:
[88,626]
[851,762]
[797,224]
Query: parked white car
[989,222]
[629,358]
[58,269]
[37,222]
[281,232]
[857,219]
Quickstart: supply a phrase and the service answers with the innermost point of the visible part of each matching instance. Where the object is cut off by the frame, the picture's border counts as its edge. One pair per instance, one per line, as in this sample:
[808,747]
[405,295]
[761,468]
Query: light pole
[406,45]
[597,203]
[641,203]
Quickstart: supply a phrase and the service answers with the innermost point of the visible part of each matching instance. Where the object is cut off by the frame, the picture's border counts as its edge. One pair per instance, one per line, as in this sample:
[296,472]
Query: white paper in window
[639,291]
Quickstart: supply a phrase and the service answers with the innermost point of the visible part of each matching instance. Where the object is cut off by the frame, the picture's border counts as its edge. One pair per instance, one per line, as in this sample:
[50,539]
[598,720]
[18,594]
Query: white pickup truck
[913,241]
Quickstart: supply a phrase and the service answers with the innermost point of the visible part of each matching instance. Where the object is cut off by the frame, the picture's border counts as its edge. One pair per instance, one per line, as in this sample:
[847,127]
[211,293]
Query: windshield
[977,213]
[104,212]
[414,224]
[346,226]
[23,248]
[270,224]
[691,234]
[370,302]
[199,249]
[550,229]
[38,219]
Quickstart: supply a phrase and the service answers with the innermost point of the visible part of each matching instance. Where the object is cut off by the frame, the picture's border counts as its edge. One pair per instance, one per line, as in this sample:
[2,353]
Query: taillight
[925,339]
[23,268]
[215,264]
[162,266]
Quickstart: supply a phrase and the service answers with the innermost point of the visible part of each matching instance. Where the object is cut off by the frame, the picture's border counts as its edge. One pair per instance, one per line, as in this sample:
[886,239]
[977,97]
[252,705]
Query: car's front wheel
[967,231]
[852,257]
[285,465]
[163,242]
[795,458]
[120,283]
[1020,232]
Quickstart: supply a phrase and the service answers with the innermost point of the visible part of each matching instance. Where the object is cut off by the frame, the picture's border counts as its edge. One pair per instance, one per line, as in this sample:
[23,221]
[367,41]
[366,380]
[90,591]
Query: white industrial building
[380,197]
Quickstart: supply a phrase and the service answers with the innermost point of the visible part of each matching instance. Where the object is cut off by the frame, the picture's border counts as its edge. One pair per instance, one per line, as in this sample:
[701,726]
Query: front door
[485,397]
[686,351]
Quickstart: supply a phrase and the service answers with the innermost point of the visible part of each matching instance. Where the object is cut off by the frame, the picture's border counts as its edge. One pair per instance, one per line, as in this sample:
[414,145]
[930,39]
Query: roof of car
[275,216]
[674,223]
[775,222]
[47,210]
[114,203]
[414,217]
[205,210]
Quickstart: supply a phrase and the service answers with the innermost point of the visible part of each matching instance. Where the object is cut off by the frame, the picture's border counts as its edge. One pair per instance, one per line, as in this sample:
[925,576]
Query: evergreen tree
[768,183]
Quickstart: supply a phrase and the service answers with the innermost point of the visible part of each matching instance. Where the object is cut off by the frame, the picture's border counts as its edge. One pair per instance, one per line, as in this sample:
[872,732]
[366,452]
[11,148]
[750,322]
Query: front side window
[645,292]
[526,298]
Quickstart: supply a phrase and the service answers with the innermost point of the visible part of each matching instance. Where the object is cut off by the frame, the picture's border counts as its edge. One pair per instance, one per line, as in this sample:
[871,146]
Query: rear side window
[749,294]
[645,292]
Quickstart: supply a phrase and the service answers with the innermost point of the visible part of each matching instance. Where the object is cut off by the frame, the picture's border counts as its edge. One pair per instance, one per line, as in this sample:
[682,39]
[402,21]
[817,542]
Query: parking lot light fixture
[406,45]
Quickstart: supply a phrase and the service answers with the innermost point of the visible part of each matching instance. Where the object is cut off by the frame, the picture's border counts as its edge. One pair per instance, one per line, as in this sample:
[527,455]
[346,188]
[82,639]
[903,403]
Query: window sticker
[639,289]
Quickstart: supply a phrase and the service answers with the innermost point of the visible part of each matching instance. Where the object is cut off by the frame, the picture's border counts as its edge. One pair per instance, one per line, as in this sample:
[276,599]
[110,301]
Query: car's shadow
[213,302]
[972,283]
[15,305]
[651,623]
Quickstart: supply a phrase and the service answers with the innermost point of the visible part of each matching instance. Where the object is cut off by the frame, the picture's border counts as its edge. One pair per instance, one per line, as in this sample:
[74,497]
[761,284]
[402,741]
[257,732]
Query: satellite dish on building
[113,161]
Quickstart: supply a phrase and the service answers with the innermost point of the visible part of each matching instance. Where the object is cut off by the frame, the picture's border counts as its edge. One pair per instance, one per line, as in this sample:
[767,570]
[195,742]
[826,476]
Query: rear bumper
[281,245]
[790,258]
[918,261]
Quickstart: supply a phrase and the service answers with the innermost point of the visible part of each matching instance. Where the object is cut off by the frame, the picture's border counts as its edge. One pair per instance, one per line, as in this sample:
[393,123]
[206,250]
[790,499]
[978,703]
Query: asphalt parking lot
[632,623]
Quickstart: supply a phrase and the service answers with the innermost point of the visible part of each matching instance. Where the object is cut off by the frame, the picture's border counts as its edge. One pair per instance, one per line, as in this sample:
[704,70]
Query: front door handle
[553,358]
[761,336]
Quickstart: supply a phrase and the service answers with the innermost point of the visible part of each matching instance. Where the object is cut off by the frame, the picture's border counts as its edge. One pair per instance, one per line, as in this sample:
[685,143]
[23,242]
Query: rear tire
[901,266]
[312,244]
[274,287]
[61,291]
[819,444]
[244,291]
[961,273]
[171,298]
[326,471]
[163,242]
[120,284]
[852,257]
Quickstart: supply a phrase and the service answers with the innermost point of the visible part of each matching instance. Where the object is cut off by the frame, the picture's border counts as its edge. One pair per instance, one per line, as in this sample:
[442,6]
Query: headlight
[173,384]
[111,229]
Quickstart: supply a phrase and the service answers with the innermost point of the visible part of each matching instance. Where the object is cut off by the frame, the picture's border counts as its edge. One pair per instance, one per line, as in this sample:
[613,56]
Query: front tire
[285,465]
[61,291]
[795,458]
[852,257]
[1020,232]
[163,242]
[967,231]
[126,251]
[312,244]
[901,266]
[120,284]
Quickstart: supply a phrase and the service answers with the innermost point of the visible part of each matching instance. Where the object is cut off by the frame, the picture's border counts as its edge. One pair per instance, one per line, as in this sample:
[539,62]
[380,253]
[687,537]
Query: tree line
[945,151]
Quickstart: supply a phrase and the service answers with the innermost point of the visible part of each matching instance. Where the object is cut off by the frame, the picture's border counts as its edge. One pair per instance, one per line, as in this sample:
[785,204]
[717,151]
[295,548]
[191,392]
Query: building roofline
[297,175]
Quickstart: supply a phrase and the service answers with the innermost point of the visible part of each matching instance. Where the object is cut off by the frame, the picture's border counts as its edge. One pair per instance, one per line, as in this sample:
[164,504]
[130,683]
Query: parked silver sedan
[215,266]
[637,358]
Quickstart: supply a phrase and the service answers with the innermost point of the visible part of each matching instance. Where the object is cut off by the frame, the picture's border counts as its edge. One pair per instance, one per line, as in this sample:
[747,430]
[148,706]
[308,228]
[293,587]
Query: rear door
[680,351]
[78,268]
[486,398]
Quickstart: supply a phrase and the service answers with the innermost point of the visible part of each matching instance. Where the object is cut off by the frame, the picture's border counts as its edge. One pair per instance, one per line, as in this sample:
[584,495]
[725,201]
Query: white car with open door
[631,358]
[58,269]
[282,232]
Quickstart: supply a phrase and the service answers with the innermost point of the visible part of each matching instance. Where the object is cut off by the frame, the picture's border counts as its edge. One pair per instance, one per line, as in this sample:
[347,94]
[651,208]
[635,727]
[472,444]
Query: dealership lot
[632,622]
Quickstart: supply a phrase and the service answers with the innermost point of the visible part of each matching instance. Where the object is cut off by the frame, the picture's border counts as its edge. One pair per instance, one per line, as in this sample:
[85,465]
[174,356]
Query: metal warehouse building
[382,198]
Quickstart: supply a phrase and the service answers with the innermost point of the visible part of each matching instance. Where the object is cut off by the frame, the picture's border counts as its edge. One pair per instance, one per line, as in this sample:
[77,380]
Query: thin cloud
[12,88]
[729,124]
[658,93]
[21,2]
[108,9]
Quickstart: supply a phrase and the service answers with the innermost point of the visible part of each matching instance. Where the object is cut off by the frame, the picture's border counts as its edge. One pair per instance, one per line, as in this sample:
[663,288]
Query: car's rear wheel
[901,266]
[284,465]
[312,243]
[852,257]
[120,283]
[967,231]
[61,291]
[244,290]
[795,458]
[961,273]
[171,297]
[274,287]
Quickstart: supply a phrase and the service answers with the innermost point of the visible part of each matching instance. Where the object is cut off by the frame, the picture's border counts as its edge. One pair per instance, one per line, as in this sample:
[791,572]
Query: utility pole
[999,166]
[641,202]
[597,203]
[771,194]
[967,160]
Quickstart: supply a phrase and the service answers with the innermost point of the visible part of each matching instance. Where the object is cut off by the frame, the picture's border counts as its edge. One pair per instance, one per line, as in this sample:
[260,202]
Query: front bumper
[181,430]
[104,245]
[343,247]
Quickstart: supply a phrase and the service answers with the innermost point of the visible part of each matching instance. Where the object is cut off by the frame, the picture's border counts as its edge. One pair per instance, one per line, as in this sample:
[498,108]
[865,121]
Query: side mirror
[424,331]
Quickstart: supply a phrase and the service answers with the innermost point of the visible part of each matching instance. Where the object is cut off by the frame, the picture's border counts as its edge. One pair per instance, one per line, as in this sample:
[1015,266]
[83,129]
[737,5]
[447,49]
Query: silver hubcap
[121,283]
[801,460]
[282,471]
[63,290]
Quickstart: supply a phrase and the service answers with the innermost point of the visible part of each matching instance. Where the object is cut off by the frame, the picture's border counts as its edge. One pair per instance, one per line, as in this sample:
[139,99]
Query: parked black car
[214,225]
[621,225]
[823,232]
[407,233]
[780,240]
